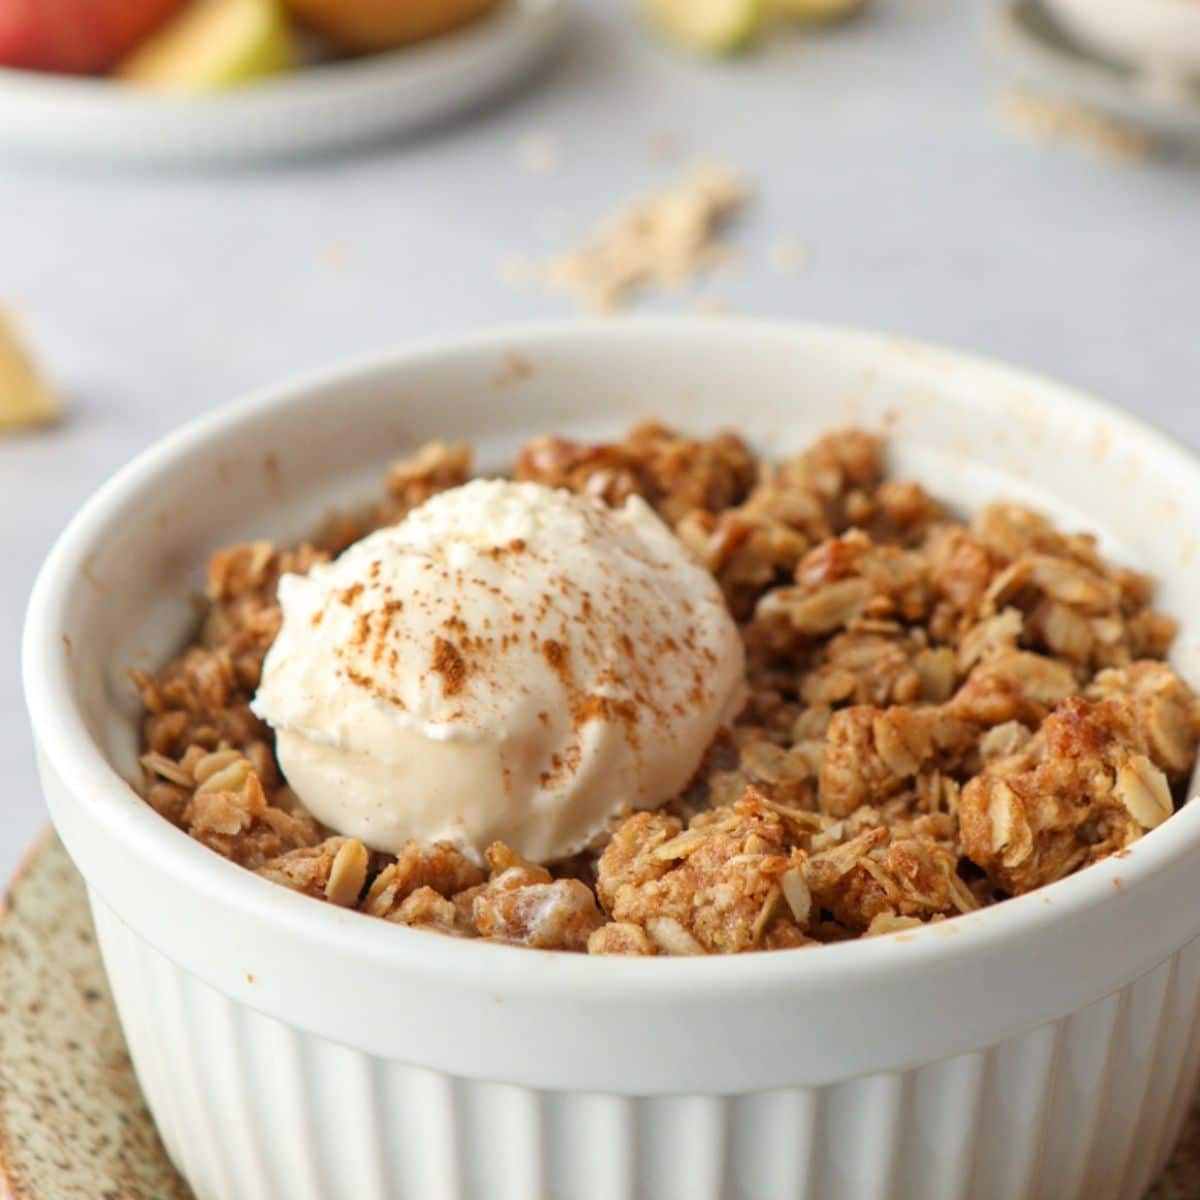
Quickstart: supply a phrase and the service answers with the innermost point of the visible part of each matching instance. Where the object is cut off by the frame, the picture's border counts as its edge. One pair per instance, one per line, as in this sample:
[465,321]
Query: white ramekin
[1046,1047]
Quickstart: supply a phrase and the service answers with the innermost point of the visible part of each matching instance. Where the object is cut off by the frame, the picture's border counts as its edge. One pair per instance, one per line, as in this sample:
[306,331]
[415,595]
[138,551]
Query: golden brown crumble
[676,475]
[335,870]
[1080,789]
[941,714]
[440,868]
[524,904]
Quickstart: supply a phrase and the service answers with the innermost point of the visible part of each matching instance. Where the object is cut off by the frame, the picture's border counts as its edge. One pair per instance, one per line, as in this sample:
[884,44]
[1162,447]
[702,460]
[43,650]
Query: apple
[381,24]
[711,26]
[25,398]
[214,44]
[77,37]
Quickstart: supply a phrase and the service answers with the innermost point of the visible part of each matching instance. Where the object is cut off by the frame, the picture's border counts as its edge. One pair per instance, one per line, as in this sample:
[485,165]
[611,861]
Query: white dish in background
[1159,37]
[321,108]
[1041,1049]
[1042,56]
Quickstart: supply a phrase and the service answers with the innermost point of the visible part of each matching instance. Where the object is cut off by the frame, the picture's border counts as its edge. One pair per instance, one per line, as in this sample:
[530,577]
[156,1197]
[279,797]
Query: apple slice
[713,26]
[214,44]
[25,399]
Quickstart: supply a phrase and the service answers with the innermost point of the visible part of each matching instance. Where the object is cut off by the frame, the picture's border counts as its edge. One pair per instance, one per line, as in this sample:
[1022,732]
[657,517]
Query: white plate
[323,108]
[1043,57]
[1159,36]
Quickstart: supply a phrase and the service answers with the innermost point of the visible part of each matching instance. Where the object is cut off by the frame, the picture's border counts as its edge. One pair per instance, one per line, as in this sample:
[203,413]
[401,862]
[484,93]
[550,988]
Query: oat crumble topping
[942,714]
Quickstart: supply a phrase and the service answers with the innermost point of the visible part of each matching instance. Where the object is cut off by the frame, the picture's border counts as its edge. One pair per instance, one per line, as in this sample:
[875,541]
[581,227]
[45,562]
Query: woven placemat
[72,1122]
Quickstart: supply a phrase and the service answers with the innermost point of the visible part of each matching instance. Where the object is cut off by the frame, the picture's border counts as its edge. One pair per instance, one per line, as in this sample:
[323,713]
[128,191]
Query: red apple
[78,37]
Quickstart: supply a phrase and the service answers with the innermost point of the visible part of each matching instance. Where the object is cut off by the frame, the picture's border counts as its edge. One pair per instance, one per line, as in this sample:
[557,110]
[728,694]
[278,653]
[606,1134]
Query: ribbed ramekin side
[1170,1100]
[132,975]
[251,1109]
[773,1138]
[941,1142]
[1017,1075]
[1139,1028]
[590,1145]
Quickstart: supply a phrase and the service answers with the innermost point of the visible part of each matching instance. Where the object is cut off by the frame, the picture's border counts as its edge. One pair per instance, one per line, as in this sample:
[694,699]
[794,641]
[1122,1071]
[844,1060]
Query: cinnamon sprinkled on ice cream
[509,663]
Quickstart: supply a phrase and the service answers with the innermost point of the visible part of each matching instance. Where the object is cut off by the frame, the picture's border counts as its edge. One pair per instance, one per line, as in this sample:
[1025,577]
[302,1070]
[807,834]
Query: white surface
[154,297]
[869,1045]
[327,108]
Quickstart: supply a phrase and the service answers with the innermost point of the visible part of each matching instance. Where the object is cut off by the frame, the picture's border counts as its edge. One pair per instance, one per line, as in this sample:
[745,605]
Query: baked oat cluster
[941,715]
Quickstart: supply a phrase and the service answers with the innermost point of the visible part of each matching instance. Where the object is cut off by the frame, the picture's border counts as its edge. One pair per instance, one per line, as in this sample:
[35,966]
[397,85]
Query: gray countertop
[152,297]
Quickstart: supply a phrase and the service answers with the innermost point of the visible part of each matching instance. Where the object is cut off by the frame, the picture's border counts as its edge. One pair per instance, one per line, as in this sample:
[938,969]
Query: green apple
[214,44]
[713,26]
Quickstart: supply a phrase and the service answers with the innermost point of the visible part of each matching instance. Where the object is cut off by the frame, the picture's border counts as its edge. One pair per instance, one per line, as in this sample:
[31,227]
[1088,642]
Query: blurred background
[243,203]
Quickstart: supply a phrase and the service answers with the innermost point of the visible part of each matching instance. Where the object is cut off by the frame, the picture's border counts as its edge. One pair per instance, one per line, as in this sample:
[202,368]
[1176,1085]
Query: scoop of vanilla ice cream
[509,663]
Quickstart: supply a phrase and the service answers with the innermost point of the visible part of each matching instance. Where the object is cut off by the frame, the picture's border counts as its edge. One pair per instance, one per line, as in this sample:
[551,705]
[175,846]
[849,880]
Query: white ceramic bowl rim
[62,732]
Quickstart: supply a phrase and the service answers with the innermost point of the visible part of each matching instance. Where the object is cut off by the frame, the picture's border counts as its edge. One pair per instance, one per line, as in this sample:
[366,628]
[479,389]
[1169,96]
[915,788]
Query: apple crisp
[942,714]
